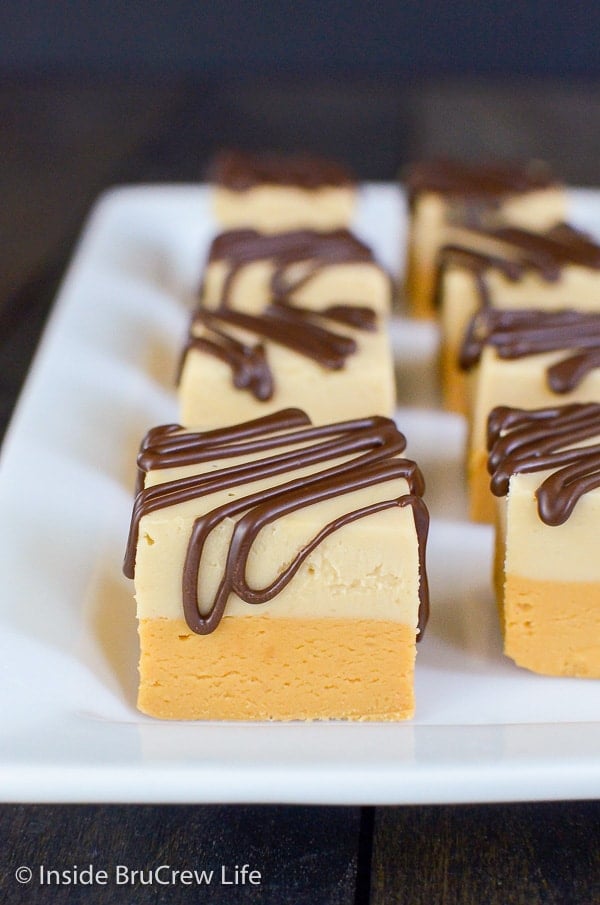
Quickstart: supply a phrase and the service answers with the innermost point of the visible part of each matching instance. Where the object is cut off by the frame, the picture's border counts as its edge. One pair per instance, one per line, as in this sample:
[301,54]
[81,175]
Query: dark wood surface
[61,144]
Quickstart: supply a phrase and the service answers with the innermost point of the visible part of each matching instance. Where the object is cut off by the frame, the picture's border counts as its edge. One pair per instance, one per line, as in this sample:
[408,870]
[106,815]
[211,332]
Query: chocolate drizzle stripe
[547,439]
[248,363]
[167,444]
[294,328]
[549,251]
[240,171]
[491,181]
[567,374]
[560,491]
[170,445]
[361,317]
[552,434]
[245,246]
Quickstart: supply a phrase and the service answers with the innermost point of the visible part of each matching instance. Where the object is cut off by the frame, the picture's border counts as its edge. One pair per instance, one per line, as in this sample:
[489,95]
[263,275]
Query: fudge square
[279,571]
[443,194]
[336,363]
[545,466]
[524,359]
[514,268]
[247,269]
[274,192]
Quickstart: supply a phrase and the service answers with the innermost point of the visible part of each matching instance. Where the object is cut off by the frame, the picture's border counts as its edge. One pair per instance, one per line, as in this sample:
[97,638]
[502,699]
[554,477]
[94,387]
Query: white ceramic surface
[485,730]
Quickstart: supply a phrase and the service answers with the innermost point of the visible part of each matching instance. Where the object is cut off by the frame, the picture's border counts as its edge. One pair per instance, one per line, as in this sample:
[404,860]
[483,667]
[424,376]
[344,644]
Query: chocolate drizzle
[513,252]
[518,333]
[239,171]
[547,439]
[372,446]
[491,182]
[297,256]
[286,325]
[172,446]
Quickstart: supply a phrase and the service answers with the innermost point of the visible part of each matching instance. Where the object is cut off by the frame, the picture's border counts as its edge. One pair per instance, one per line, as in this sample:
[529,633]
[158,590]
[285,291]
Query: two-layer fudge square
[444,194]
[545,465]
[273,192]
[279,571]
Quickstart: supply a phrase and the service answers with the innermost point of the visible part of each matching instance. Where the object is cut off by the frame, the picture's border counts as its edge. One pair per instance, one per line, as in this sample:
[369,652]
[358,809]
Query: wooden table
[62,143]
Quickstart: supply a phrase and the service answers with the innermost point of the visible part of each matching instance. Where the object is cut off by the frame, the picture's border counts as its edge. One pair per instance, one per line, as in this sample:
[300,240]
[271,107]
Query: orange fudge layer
[262,668]
[552,627]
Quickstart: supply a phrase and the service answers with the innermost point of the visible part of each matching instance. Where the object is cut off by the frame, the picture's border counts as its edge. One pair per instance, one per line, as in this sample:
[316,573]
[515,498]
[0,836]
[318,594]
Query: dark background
[99,93]
[223,39]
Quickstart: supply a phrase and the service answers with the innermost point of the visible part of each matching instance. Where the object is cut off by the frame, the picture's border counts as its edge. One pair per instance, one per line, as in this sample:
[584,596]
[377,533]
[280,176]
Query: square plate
[485,730]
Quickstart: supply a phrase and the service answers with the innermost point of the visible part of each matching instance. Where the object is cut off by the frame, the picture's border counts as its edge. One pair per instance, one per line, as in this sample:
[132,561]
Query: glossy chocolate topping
[287,325]
[518,333]
[547,439]
[239,171]
[490,181]
[247,245]
[172,446]
[297,256]
[514,251]
[371,447]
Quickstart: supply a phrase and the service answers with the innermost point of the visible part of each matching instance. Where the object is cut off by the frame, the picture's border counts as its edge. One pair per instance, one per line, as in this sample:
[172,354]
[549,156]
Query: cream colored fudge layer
[369,567]
[578,288]
[519,383]
[351,283]
[365,384]
[548,583]
[431,228]
[276,208]
[353,669]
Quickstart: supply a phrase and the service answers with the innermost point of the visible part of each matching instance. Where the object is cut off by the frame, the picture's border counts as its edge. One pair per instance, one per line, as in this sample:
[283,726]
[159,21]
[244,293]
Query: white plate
[485,730]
